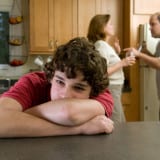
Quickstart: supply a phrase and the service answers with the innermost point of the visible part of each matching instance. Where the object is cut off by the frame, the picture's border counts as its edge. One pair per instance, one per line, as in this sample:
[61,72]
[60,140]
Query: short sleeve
[106,100]
[30,90]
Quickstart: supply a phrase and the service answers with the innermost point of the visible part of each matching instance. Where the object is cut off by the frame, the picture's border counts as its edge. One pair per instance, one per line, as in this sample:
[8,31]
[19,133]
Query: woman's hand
[128,61]
[117,45]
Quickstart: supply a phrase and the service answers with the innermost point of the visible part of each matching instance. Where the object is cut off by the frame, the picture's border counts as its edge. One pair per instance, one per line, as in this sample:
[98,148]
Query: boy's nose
[67,93]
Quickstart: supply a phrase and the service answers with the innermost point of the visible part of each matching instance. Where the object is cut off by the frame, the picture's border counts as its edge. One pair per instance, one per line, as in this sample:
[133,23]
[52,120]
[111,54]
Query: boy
[63,100]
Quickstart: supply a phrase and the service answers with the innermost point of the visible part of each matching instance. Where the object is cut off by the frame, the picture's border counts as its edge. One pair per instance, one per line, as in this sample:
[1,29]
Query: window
[4,37]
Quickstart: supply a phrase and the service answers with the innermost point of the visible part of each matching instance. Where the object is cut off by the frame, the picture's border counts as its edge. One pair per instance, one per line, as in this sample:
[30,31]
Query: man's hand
[97,125]
[132,51]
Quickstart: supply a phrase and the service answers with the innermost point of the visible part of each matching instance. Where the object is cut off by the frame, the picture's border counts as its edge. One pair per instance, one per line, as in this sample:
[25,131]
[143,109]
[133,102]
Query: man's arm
[152,61]
[15,123]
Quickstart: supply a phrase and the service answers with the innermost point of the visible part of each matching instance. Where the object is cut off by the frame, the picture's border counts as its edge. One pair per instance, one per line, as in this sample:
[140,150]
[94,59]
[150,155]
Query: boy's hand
[97,125]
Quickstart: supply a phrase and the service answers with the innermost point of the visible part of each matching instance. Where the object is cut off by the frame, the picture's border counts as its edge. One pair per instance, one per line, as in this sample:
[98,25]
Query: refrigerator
[149,103]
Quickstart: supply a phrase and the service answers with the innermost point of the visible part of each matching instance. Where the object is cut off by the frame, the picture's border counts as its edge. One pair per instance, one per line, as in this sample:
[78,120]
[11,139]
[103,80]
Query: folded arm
[68,112]
[15,123]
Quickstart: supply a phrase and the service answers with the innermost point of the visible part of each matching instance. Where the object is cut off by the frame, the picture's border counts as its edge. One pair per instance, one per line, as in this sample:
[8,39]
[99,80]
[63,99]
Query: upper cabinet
[86,10]
[51,23]
[39,25]
[54,22]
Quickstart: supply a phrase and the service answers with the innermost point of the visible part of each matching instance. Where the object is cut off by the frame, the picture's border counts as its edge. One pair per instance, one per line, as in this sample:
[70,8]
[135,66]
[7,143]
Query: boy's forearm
[19,124]
[68,112]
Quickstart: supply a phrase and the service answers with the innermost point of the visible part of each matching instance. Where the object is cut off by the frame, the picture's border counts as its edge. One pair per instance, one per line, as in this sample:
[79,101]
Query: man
[69,98]
[150,60]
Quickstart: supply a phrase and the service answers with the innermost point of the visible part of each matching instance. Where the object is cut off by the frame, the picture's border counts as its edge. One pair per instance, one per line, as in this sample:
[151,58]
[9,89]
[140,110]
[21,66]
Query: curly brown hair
[80,55]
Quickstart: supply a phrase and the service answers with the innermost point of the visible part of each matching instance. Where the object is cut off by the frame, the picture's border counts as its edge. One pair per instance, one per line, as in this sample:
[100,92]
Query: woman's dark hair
[79,55]
[96,27]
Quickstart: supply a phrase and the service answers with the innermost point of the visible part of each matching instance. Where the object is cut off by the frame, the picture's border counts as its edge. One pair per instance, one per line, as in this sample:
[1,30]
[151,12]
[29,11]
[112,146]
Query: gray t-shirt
[157,54]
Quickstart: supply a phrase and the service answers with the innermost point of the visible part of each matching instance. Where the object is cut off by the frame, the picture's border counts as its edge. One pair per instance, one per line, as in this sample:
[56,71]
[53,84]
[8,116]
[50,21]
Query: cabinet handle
[56,44]
[146,107]
[51,44]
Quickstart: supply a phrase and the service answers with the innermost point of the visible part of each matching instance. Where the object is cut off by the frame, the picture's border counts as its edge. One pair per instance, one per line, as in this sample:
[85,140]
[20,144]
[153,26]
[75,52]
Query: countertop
[129,141]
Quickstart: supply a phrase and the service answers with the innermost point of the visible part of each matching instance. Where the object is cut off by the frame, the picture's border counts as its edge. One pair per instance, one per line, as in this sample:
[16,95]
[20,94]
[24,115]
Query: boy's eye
[60,82]
[78,88]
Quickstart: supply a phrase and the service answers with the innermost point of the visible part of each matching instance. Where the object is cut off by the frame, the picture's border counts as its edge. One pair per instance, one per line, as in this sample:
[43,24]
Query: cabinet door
[52,23]
[86,10]
[65,21]
[39,25]
[89,8]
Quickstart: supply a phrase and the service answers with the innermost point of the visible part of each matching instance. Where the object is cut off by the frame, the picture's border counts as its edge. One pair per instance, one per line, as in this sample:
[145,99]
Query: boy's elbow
[69,116]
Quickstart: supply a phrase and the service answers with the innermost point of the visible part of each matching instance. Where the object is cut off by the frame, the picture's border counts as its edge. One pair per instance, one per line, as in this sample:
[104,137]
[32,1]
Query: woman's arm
[128,61]
[117,45]
[106,50]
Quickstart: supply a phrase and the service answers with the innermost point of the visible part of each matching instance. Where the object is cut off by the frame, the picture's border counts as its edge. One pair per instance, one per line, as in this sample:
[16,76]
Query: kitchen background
[18,31]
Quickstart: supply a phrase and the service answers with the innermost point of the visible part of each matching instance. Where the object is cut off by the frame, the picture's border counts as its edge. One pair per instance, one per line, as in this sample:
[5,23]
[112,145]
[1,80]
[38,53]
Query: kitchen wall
[5,5]
[16,72]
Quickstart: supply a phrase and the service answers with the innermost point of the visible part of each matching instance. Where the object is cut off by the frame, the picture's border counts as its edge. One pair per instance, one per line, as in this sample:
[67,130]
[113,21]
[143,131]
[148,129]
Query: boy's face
[62,87]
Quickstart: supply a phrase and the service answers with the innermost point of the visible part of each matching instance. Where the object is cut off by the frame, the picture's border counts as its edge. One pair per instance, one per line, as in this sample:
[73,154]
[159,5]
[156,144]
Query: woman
[99,32]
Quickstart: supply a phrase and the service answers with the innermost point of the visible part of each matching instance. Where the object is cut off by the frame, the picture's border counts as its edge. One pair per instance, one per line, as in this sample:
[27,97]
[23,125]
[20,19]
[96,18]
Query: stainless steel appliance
[5,84]
[149,103]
